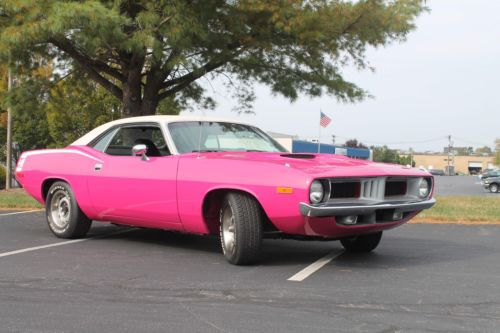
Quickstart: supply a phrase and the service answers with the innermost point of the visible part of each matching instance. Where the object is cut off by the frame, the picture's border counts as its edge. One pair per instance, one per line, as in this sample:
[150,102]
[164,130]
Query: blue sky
[445,79]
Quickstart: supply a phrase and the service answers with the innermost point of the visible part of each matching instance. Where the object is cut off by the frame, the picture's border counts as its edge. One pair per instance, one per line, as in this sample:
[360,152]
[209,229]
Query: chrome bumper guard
[343,209]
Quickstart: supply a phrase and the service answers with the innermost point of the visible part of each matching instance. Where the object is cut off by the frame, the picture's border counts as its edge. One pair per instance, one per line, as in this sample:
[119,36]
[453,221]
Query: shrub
[3,175]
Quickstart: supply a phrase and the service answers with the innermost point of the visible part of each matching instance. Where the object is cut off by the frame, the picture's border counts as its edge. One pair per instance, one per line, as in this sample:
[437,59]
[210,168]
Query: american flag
[324,120]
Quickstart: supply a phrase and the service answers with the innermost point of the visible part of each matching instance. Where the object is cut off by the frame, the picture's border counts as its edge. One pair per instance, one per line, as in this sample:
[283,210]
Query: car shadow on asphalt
[394,251]
[274,252]
[168,239]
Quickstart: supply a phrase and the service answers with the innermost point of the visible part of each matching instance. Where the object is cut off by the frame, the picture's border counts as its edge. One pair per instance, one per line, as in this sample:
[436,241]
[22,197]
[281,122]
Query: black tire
[246,234]
[64,216]
[493,188]
[362,243]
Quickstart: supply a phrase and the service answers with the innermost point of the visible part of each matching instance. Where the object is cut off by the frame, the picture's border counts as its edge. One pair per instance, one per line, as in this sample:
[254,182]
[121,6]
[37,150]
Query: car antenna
[199,139]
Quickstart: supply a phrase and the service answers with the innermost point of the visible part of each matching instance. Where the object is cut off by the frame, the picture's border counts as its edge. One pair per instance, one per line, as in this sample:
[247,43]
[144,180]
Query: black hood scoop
[299,156]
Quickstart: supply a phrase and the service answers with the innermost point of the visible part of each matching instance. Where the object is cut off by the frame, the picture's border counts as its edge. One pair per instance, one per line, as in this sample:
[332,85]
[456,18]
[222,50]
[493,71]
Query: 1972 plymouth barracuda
[209,176]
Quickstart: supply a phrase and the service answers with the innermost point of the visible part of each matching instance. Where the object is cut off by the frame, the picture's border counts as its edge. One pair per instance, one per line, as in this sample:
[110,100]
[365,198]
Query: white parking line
[309,270]
[23,212]
[35,248]
[29,249]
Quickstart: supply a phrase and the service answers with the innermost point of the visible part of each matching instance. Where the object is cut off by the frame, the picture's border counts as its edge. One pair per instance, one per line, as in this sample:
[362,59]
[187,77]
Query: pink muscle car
[209,176]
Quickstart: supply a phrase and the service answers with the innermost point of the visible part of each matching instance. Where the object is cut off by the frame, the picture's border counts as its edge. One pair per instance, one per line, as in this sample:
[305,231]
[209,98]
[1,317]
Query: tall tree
[145,51]
[353,143]
[76,105]
[386,155]
[485,150]
[28,100]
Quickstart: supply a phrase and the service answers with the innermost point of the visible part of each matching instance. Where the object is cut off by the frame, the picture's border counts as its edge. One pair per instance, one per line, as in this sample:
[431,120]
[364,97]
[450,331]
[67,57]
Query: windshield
[193,136]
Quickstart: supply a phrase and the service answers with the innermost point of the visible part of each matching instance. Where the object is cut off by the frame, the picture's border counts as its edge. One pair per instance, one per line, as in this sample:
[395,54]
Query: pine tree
[143,52]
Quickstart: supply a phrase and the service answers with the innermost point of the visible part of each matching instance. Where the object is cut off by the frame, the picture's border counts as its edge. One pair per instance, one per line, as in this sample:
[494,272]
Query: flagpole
[319,132]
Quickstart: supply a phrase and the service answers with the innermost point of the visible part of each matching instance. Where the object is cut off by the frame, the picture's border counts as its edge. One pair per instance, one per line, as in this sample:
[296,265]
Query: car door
[134,190]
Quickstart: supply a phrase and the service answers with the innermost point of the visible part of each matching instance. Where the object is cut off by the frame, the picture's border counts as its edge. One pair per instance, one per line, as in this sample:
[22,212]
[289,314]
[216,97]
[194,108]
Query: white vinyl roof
[161,120]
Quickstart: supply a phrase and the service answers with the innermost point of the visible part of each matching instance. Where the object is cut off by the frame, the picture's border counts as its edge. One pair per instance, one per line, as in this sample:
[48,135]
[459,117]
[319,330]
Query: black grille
[345,190]
[395,187]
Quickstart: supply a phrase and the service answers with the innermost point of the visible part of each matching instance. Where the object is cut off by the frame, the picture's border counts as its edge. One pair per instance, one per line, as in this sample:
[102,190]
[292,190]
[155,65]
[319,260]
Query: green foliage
[29,122]
[145,51]
[354,144]
[387,155]
[497,154]
[75,106]
[3,176]
[384,154]
[54,113]
[484,151]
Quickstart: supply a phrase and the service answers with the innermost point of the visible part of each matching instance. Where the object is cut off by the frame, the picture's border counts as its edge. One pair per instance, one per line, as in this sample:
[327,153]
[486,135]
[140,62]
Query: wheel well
[212,205]
[47,183]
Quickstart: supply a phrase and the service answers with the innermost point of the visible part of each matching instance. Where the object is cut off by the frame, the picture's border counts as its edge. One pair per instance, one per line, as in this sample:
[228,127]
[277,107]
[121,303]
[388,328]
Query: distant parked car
[490,173]
[436,172]
[492,184]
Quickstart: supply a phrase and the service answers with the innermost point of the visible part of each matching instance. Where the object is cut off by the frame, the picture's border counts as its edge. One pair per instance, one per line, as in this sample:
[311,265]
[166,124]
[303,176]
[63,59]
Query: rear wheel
[240,229]
[493,188]
[64,217]
[362,243]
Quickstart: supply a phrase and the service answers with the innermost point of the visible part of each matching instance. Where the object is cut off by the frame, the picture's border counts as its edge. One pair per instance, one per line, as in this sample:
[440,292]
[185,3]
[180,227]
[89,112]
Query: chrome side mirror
[140,150]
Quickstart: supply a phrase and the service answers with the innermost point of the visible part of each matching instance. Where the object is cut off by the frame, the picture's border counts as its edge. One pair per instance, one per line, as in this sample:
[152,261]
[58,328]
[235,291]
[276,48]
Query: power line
[393,143]
[471,142]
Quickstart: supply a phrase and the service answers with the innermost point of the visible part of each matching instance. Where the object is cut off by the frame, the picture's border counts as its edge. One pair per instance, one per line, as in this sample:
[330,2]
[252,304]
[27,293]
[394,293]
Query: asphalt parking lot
[434,278]
[461,185]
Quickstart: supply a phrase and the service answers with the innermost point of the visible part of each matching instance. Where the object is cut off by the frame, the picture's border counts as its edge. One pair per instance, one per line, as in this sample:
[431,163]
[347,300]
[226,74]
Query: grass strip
[462,210]
[17,199]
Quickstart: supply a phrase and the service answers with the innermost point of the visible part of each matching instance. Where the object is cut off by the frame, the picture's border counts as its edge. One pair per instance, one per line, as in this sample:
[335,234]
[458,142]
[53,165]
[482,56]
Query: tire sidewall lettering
[52,191]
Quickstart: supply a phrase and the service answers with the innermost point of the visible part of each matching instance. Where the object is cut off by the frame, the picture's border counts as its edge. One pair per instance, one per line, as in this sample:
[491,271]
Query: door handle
[98,167]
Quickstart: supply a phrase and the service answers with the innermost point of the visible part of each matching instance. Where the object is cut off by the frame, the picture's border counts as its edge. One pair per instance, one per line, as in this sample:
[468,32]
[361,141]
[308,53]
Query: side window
[102,144]
[126,137]
[212,142]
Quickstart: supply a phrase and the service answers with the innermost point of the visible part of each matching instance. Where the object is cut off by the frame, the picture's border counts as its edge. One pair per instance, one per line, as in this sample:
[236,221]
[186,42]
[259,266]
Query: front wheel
[493,188]
[64,217]
[362,243]
[240,229]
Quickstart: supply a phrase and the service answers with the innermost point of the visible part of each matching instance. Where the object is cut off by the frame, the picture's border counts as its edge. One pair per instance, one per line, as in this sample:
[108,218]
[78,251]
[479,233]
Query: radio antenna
[199,138]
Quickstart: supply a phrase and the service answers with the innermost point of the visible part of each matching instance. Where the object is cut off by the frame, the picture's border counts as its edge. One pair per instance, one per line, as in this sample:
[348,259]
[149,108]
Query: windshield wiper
[255,151]
[206,151]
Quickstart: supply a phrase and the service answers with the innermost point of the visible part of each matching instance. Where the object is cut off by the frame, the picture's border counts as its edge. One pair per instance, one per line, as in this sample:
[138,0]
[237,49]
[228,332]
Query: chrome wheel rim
[228,230]
[60,210]
[494,188]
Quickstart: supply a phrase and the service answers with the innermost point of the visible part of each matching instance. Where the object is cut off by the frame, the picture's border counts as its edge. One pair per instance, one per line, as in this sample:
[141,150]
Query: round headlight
[423,188]
[317,192]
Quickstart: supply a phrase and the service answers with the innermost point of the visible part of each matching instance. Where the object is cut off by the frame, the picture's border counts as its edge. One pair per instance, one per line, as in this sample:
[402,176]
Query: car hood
[320,165]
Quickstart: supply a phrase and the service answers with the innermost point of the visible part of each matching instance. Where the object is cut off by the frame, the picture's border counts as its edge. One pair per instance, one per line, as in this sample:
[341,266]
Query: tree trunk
[149,105]
[131,102]
[132,89]
[137,104]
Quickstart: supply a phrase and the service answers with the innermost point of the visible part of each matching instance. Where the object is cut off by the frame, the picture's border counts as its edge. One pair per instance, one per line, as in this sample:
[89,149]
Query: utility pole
[450,145]
[8,167]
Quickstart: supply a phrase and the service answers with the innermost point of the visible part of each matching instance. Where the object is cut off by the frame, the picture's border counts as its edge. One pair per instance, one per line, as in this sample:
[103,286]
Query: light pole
[8,167]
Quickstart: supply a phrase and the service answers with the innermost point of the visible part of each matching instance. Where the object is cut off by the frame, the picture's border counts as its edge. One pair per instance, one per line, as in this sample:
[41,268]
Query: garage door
[475,164]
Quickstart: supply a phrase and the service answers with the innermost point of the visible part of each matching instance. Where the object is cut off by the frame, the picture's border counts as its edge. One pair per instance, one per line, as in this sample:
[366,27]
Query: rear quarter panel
[71,164]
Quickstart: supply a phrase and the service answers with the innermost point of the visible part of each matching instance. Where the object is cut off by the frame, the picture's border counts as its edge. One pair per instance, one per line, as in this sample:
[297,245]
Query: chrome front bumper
[351,209]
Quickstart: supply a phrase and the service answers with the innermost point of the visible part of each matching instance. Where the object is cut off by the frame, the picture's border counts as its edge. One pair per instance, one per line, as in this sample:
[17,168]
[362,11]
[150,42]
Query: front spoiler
[319,211]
